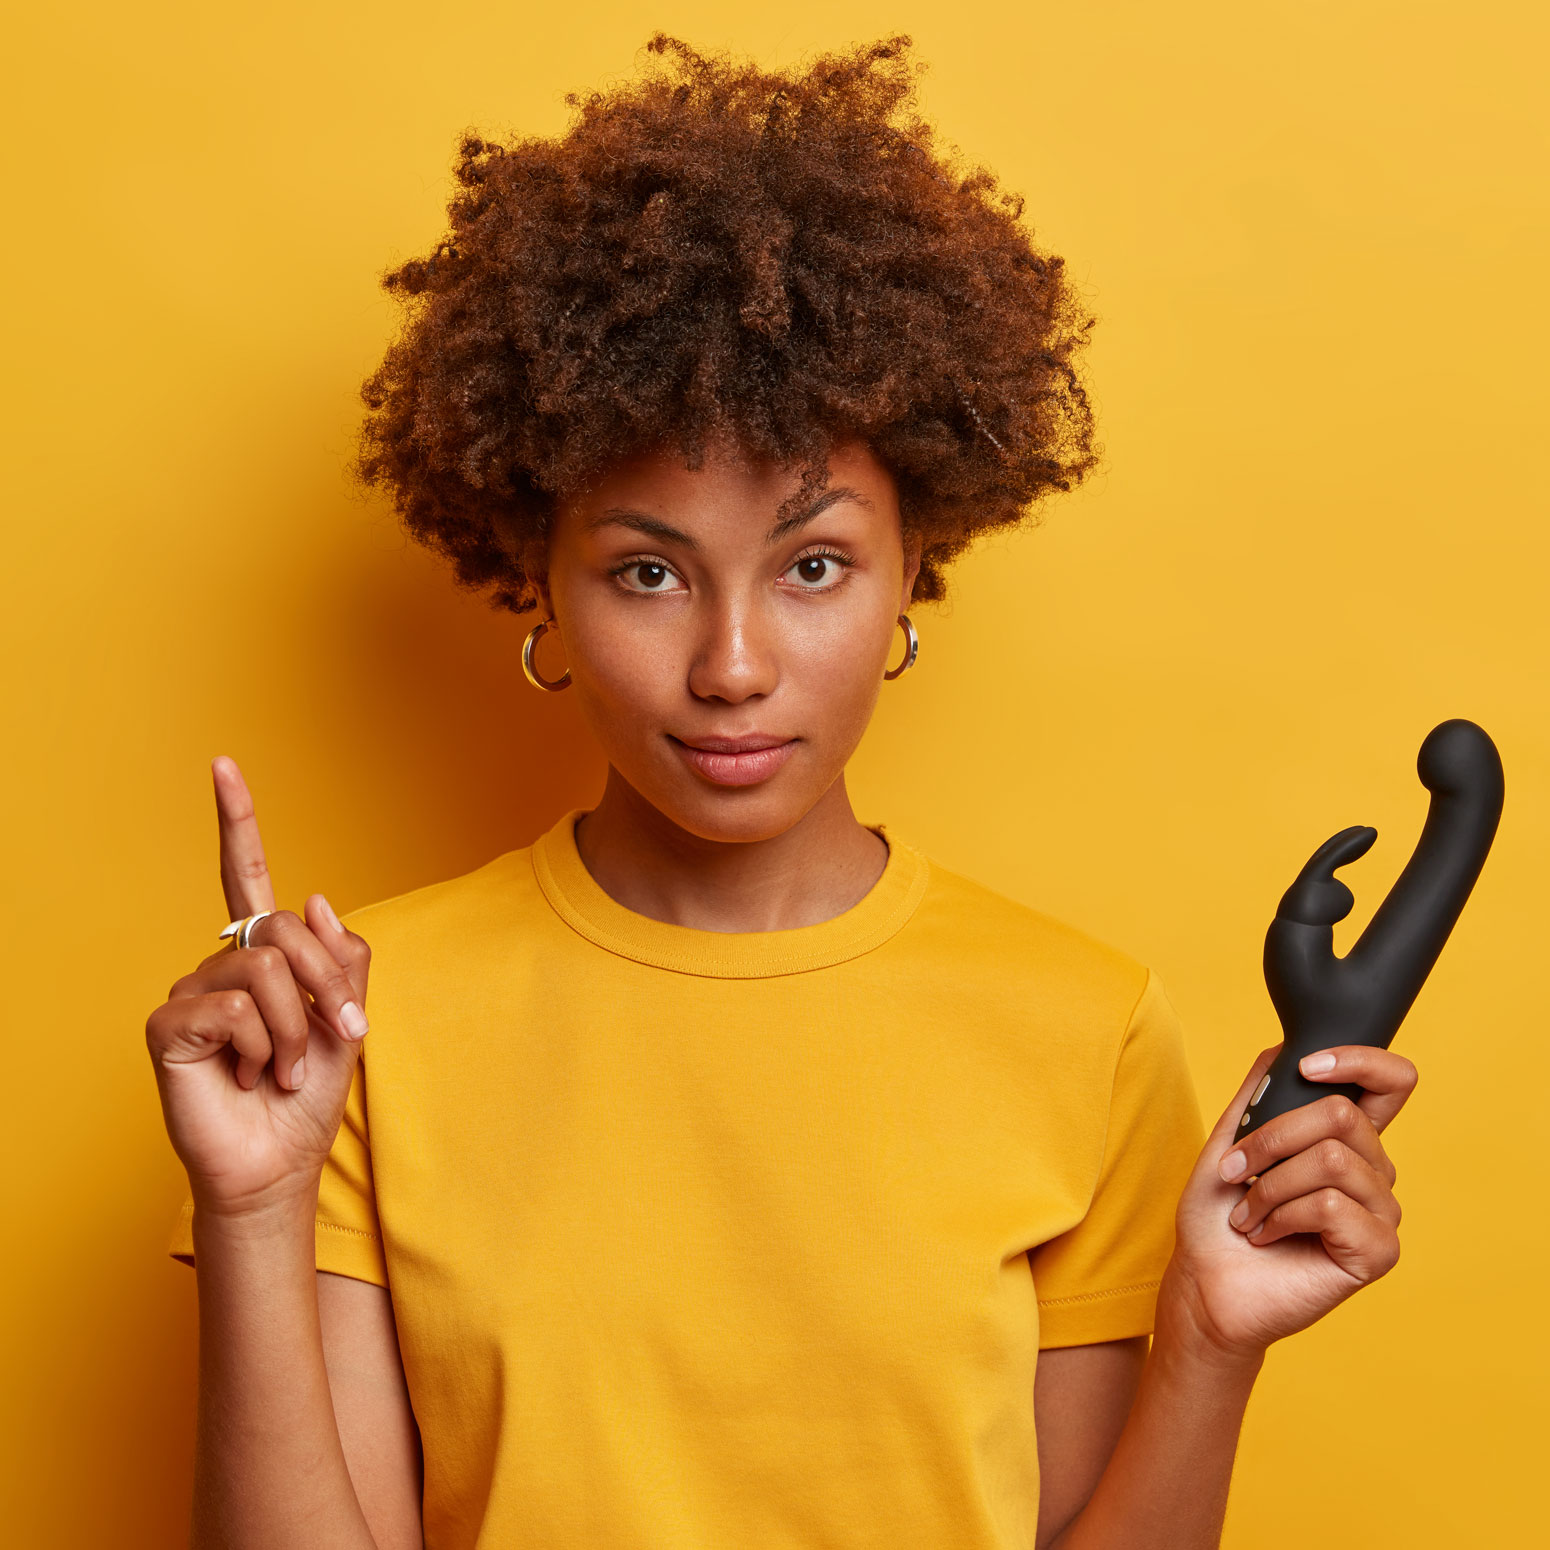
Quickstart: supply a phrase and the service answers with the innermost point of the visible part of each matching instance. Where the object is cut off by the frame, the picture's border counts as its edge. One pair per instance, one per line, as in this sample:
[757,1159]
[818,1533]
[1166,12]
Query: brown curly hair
[783,259]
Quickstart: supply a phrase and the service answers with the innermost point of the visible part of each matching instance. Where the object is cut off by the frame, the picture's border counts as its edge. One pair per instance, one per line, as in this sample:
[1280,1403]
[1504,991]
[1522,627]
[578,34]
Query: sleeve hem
[350,1251]
[1087,1317]
[343,1251]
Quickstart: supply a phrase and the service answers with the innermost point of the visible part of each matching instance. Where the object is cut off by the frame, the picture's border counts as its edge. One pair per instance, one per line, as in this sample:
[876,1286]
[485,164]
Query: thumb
[1226,1127]
[314,1112]
[350,951]
[1205,1187]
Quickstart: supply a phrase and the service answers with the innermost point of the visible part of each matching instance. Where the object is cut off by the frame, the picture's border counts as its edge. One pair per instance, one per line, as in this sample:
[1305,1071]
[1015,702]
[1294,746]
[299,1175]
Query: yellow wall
[1317,237]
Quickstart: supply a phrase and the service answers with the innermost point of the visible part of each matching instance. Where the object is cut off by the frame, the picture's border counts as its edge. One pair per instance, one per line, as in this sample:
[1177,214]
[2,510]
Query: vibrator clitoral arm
[1362,998]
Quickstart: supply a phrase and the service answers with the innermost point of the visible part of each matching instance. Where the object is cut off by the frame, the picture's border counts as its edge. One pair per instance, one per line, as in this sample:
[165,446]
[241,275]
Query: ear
[912,546]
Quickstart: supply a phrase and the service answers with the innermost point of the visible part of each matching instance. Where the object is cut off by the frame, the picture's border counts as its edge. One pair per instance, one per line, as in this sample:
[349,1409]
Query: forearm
[269,1471]
[1165,1486]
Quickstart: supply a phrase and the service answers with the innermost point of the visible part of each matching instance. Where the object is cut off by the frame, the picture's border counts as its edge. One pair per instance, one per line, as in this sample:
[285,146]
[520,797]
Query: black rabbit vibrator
[1362,998]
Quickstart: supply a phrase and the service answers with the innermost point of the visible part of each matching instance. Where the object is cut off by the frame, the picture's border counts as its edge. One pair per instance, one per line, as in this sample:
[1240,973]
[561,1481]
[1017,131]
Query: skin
[680,616]
[719,630]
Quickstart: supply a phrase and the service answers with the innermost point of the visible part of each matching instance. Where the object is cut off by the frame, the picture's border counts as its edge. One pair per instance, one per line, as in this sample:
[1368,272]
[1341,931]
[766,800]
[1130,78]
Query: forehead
[731,488]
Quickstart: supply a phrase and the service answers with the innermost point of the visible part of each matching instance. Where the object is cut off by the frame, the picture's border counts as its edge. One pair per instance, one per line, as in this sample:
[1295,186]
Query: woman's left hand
[1256,1261]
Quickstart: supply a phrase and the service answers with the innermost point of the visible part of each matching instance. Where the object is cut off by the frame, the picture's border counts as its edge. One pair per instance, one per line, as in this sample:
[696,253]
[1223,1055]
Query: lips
[736,761]
[749,742]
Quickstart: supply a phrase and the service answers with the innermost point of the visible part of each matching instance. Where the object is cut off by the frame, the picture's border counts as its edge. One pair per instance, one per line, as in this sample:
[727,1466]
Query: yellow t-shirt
[747,1239]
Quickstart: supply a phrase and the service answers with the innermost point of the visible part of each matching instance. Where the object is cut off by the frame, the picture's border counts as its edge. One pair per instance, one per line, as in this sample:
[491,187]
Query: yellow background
[1316,236]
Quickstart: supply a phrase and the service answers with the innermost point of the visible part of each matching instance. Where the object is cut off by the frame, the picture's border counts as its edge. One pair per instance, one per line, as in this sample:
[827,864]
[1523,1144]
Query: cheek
[629,679]
[844,650]
[835,682]
[827,696]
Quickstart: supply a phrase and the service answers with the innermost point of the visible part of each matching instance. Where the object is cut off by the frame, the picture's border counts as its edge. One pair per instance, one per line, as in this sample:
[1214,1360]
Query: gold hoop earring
[912,649]
[527,660]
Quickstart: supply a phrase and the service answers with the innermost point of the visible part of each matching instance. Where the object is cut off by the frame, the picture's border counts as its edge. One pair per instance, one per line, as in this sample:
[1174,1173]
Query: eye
[829,566]
[652,574]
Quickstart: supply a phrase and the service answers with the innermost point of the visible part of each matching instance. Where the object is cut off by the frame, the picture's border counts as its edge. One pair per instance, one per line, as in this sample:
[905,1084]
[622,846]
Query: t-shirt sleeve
[348,1233]
[1099,1279]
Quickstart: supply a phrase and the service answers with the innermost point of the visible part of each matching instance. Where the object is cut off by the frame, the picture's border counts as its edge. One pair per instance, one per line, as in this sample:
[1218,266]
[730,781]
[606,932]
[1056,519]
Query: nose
[735,655]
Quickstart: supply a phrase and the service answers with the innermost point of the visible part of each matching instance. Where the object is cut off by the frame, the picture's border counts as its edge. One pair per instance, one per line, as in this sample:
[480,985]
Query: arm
[255,1053]
[371,1402]
[1166,1482]
[269,1468]
[1081,1396]
[1323,1219]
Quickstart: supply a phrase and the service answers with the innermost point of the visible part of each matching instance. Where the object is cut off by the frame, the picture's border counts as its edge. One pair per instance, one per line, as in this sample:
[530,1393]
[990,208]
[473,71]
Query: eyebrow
[665,532]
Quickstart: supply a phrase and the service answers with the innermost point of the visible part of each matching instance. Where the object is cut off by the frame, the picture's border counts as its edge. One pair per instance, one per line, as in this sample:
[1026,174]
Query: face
[689,613]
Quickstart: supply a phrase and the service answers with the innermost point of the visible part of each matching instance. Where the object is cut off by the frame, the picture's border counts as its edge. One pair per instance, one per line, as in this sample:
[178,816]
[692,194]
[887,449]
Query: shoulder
[457,908]
[1029,952]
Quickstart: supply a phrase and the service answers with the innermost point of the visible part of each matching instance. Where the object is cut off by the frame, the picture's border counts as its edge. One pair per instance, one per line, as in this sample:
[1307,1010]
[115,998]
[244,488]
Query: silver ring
[243,929]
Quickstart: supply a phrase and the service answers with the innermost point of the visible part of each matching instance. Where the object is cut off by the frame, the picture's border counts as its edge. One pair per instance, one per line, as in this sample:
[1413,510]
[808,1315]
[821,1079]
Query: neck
[823,865]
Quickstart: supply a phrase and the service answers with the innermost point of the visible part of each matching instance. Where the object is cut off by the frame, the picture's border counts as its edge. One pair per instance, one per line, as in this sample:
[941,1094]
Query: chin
[739,817]
[734,815]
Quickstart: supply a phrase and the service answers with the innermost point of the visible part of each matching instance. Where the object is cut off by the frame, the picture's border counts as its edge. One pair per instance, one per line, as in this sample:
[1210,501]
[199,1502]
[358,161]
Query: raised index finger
[244,869]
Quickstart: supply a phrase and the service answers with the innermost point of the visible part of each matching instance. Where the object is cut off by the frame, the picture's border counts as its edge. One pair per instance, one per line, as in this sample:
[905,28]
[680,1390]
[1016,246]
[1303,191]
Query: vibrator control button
[1259,1092]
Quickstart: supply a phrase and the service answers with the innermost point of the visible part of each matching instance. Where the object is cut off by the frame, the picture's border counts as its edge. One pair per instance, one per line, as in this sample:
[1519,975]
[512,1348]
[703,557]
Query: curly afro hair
[783,259]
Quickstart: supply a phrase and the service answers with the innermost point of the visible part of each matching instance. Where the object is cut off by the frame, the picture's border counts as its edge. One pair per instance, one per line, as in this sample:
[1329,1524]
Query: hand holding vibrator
[1362,998]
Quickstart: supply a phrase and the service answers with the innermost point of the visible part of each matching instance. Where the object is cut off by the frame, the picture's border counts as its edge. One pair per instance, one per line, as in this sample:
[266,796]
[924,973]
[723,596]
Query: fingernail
[298,1073]
[1240,1212]
[1312,1065]
[1232,1166]
[328,913]
[353,1020]
[1257,1230]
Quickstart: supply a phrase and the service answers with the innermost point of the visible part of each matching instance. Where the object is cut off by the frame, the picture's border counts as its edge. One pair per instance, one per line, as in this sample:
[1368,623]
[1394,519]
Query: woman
[722,1171]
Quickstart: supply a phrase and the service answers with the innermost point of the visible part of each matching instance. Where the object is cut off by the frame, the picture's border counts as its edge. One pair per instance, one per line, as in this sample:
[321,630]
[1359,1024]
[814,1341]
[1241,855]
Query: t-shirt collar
[581,901]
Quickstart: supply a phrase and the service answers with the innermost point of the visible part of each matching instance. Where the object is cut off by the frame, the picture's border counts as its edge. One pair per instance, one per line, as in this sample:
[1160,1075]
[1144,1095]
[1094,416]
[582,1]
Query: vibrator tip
[1458,756]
